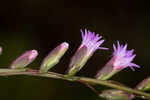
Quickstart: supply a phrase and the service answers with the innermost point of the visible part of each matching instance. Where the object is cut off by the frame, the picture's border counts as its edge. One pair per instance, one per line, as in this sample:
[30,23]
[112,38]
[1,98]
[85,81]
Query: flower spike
[90,43]
[122,58]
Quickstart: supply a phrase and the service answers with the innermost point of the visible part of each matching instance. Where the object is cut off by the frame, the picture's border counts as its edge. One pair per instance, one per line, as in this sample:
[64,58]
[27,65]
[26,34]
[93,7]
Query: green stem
[31,72]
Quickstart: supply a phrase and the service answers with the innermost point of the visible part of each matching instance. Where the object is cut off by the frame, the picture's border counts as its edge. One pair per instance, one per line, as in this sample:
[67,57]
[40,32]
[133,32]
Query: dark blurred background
[43,24]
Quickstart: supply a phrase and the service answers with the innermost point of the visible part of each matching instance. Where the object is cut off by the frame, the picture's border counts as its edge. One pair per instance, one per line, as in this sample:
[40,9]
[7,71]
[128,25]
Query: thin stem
[90,86]
[115,86]
[31,72]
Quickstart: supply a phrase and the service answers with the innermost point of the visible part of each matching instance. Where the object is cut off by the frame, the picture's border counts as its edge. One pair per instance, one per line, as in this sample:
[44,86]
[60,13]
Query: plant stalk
[32,72]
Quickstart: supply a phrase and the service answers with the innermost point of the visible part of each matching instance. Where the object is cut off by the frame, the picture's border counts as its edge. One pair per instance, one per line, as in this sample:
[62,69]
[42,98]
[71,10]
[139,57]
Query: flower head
[91,41]
[123,58]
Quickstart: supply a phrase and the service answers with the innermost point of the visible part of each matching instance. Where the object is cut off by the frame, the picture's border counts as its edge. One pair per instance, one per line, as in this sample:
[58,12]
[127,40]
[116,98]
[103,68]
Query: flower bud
[24,60]
[78,61]
[53,57]
[144,85]
[107,71]
[1,50]
[113,94]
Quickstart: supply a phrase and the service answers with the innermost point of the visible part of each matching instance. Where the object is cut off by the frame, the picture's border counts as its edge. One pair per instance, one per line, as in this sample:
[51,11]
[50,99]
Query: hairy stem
[31,72]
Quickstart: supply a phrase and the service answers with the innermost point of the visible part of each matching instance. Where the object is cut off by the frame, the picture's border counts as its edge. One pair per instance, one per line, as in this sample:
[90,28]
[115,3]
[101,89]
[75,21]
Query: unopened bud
[24,60]
[53,57]
[144,85]
[1,50]
[107,71]
[113,94]
[78,61]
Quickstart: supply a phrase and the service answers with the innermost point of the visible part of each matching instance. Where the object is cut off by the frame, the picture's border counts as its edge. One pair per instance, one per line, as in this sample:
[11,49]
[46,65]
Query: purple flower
[91,41]
[123,57]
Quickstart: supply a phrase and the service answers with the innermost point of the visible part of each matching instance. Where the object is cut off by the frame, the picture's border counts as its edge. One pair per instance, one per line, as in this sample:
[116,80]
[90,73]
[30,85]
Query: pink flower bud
[53,57]
[24,60]
[1,50]
[144,85]
[113,94]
